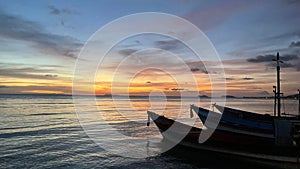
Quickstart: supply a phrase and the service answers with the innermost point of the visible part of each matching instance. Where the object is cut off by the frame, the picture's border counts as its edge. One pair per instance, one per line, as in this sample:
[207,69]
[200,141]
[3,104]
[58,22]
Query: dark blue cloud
[18,28]
[268,58]
[55,11]
[295,44]
[169,44]
[127,52]
[289,61]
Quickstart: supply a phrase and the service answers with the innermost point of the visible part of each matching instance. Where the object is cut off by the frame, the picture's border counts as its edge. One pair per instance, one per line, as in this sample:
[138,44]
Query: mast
[274,91]
[278,83]
[299,102]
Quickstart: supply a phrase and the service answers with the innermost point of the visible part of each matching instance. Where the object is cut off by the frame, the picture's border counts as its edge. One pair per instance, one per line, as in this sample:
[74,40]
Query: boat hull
[225,142]
[266,118]
[236,123]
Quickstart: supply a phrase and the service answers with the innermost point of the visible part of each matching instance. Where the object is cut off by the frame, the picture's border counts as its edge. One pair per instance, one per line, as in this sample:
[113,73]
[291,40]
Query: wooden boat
[250,115]
[256,124]
[280,127]
[236,122]
[284,132]
[226,142]
[222,134]
[245,114]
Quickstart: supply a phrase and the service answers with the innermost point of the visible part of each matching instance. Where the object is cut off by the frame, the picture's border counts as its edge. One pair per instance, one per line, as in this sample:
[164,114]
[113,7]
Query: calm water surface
[44,132]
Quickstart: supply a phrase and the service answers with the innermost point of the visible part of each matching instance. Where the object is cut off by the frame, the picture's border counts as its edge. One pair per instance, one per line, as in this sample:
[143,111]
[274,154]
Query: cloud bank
[289,61]
[18,28]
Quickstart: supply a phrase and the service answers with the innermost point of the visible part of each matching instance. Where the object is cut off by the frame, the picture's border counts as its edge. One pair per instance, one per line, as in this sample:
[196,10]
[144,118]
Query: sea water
[43,131]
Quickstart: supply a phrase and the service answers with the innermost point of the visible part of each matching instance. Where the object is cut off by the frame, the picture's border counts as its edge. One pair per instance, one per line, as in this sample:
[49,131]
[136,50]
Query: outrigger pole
[278,83]
[299,102]
[274,91]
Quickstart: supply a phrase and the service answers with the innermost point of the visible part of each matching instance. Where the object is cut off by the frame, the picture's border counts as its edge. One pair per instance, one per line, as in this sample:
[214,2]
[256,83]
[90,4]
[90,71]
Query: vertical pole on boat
[299,102]
[278,83]
[274,91]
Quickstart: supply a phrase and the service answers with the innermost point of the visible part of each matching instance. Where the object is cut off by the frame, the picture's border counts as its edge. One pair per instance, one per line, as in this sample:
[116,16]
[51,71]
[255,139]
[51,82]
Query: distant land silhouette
[293,96]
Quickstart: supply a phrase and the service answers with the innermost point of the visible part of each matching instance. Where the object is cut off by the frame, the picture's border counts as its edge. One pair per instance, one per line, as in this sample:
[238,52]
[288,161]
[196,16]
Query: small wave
[49,114]
[4,107]
[28,127]
[56,130]
[47,103]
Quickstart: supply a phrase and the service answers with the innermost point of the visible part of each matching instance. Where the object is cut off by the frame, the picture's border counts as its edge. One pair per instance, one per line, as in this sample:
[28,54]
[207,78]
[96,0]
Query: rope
[191,112]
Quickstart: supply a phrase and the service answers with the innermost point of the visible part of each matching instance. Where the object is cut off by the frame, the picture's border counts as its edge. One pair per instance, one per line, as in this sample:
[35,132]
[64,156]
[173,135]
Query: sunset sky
[40,42]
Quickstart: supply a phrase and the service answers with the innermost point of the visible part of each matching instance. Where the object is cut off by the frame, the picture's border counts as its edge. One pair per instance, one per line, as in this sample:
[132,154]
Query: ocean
[43,131]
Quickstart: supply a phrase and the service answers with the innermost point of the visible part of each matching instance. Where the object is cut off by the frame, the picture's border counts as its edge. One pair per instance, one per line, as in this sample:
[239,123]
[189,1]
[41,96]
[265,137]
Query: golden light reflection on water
[118,110]
[33,114]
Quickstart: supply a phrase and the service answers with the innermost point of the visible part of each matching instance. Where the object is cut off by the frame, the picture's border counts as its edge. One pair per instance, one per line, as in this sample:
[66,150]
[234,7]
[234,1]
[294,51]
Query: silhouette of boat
[250,115]
[236,122]
[227,142]
[285,129]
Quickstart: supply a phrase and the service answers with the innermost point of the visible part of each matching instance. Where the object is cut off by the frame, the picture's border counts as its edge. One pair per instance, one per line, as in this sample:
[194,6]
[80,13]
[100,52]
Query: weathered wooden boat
[226,142]
[223,134]
[236,122]
[245,114]
[283,132]
[251,115]
[280,126]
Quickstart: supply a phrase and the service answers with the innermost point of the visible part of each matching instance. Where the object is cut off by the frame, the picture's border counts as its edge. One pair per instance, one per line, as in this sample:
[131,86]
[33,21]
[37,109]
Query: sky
[40,44]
